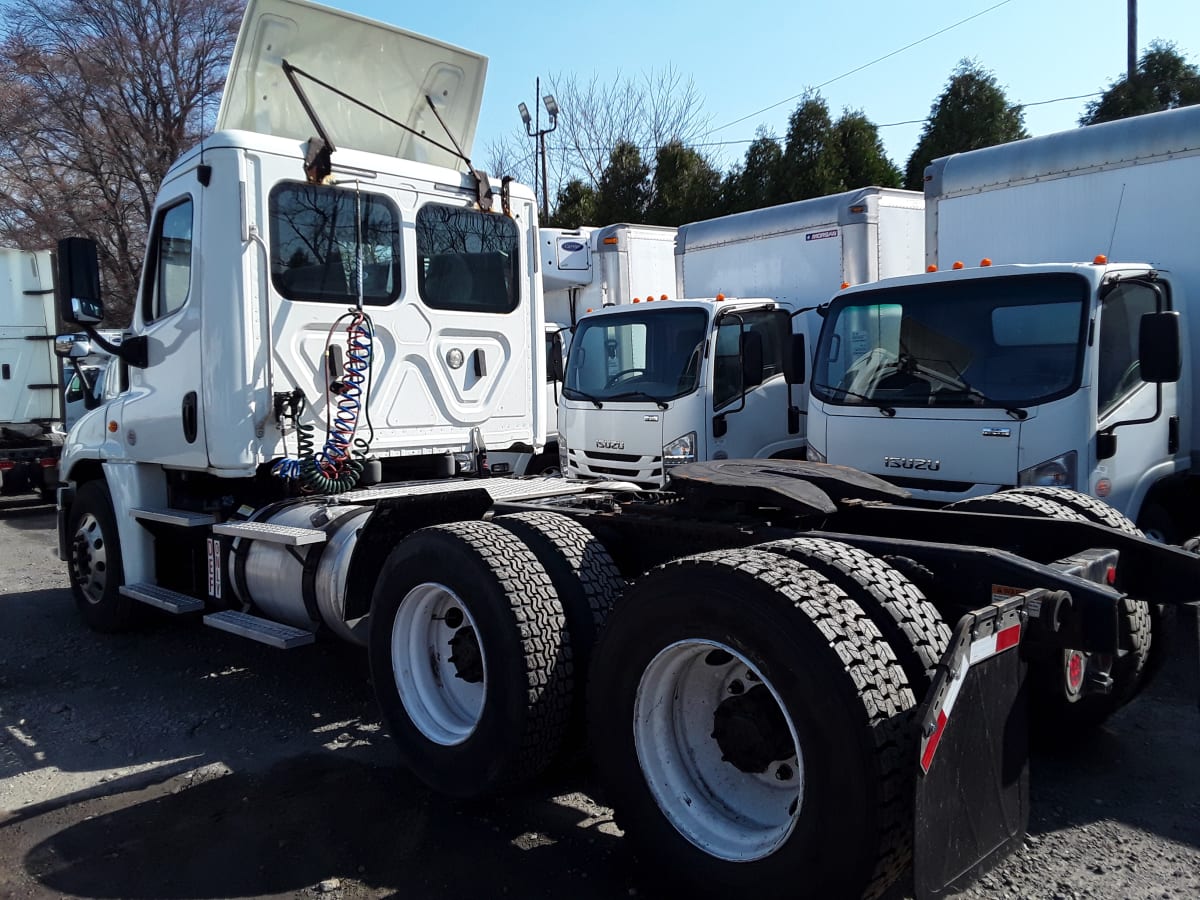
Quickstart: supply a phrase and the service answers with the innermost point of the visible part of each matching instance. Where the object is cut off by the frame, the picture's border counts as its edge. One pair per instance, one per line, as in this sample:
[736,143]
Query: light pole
[534,130]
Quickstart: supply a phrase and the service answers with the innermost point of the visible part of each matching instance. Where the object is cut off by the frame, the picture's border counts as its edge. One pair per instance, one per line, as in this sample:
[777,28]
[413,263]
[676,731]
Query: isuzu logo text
[908,462]
[610,445]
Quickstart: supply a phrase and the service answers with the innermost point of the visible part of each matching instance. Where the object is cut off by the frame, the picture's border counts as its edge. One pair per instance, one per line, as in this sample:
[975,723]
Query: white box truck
[627,416]
[752,701]
[31,403]
[1031,371]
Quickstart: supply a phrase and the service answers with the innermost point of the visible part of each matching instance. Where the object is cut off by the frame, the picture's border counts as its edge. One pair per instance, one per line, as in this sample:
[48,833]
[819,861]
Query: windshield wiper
[576,394]
[888,411]
[964,386]
[639,395]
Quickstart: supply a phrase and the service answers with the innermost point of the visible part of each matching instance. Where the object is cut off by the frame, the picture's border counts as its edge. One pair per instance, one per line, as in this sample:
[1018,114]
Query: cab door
[162,419]
[755,415]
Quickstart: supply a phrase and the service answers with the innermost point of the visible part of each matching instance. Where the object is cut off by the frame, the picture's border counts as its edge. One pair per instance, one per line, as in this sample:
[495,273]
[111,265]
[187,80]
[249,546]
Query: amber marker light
[663,297]
[931,268]
[845,284]
[611,241]
[985,262]
[957,264]
[113,426]
[1100,260]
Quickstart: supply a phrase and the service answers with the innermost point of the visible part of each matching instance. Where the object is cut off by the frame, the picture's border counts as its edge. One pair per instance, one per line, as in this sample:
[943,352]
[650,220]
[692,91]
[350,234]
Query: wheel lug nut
[736,687]
[784,773]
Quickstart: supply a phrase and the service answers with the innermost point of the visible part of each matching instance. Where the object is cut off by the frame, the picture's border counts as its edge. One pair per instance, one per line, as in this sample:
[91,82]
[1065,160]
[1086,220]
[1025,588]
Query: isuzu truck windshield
[1006,342]
[649,355]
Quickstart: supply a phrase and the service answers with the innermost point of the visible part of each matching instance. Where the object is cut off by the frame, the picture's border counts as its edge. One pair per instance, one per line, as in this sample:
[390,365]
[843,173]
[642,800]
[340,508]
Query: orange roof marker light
[986,261]
[957,264]
[931,268]
[589,309]
[720,297]
[663,297]
[845,284]
[1100,260]
[611,241]
[637,299]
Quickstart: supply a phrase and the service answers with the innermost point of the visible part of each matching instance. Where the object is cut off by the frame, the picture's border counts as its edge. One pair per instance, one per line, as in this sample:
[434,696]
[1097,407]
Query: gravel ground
[180,762]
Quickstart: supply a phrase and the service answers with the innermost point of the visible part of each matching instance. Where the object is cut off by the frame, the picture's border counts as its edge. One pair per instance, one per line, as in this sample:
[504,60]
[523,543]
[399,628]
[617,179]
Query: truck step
[285,637]
[276,534]
[163,598]
[181,517]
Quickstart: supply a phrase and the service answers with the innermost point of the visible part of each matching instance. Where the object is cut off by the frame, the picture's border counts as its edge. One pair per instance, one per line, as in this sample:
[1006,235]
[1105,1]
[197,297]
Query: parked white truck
[752,701]
[1052,374]
[637,401]
[31,403]
[582,269]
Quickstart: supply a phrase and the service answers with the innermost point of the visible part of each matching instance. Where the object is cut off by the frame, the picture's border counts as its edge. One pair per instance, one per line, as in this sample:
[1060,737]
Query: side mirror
[1158,347]
[78,288]
[795,360]
[70,346]
[554,365]
[752,359]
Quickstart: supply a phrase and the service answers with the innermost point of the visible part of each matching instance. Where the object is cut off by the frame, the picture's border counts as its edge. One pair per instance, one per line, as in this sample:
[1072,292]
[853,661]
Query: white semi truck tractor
[812,688]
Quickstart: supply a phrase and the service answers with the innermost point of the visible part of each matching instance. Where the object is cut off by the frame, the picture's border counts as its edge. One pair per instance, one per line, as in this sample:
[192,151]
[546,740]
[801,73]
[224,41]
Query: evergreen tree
[1164,80]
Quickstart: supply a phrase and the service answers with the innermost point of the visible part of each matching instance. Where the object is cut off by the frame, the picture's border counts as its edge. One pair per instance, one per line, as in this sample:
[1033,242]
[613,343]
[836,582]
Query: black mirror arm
[135,350]
[1158,407]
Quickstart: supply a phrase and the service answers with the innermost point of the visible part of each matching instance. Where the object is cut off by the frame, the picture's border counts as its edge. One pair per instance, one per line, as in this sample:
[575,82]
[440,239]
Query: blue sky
[746,55]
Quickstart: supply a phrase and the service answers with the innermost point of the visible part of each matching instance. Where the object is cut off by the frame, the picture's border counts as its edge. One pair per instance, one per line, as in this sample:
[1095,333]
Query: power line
[880,59]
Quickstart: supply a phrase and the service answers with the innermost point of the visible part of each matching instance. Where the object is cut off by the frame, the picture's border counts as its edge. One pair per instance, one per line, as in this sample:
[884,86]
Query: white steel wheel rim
[729,814]
[91,558]
[444,708]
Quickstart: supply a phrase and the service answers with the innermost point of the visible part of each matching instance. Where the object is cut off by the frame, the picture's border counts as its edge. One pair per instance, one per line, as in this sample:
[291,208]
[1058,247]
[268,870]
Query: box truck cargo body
[30,387]
[1010,381]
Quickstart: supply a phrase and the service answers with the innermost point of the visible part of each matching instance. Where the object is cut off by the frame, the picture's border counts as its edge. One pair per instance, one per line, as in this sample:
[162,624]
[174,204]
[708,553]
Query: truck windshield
[644,355]
[1000,342]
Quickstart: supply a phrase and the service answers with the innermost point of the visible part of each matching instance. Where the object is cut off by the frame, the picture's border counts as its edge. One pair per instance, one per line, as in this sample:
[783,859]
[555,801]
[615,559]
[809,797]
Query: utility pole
[533,128]
[1131,50]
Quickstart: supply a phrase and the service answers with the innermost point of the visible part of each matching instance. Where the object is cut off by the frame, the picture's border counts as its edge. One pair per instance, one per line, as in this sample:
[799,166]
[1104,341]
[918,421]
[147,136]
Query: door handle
[190,416]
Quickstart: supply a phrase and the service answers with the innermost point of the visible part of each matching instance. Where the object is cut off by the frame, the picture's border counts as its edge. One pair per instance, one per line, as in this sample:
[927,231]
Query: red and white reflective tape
[979,650]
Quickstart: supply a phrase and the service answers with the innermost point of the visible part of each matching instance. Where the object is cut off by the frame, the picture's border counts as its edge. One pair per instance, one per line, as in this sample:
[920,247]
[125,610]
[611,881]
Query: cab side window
[169,270]
[727,366]
[1121,314]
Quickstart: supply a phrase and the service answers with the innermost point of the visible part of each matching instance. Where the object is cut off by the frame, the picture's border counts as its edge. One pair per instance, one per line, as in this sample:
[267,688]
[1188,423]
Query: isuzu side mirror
[71,346]
[795,362]
[1158,347]
[78,288]
[554,365]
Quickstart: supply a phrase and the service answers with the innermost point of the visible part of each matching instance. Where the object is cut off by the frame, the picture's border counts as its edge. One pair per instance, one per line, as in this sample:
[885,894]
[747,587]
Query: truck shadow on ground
[319,817]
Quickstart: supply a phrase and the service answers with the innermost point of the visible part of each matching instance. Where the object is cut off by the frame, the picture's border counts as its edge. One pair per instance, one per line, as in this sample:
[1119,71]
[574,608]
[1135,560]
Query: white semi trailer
[648,405]
[752,701]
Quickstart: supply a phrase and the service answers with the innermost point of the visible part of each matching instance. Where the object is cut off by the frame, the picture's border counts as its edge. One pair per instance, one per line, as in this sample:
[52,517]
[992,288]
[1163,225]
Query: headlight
[681,450]
[812,454]
[1059,472]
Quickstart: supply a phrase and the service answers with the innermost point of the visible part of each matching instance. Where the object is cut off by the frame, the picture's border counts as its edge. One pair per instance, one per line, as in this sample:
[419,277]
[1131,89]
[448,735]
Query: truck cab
[651,386]
[960,383]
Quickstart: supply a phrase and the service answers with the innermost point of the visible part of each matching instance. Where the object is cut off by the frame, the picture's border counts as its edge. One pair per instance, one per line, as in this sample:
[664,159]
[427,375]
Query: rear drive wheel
[1062,704]
[908,622]
[752,730]
[470,658]
[94,560]
[1160,636]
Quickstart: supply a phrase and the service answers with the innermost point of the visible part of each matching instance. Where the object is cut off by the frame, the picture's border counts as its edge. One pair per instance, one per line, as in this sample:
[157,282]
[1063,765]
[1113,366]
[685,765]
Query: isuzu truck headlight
[1059,472]
[681,450]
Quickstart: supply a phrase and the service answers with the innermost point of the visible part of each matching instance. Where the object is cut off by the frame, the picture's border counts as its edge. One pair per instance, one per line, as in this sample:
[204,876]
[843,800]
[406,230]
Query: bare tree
[97,99]
[647,111]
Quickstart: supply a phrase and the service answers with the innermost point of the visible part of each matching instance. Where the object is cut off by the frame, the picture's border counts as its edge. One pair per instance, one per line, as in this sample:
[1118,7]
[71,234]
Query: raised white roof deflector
[385,67]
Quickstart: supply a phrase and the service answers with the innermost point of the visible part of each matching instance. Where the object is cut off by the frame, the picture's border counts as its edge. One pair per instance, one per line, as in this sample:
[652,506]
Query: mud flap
[972,786]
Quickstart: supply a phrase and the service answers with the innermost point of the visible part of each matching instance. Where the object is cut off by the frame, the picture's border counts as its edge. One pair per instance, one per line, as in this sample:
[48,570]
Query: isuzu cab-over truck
[967,380]
[664,407]
[811,689]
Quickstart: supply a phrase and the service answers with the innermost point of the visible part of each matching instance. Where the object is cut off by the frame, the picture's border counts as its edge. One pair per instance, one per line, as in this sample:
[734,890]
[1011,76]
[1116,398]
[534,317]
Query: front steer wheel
[94,560]
[470,658]
[752,731]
